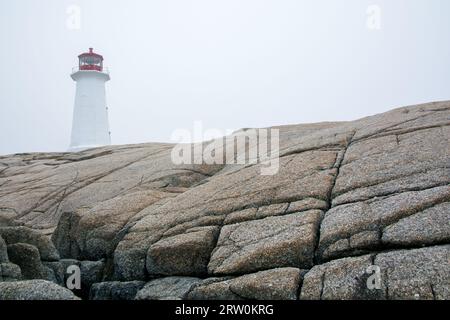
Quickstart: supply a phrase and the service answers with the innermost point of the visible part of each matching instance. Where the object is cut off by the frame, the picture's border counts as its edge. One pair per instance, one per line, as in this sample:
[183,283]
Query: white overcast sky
[227,63]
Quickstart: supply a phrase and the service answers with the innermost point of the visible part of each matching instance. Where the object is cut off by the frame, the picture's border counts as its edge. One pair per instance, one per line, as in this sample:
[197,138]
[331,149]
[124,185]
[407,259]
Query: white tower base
[90,127]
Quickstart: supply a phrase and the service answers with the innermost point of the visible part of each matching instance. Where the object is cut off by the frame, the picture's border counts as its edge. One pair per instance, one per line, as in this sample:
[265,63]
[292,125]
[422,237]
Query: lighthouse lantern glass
[91,62]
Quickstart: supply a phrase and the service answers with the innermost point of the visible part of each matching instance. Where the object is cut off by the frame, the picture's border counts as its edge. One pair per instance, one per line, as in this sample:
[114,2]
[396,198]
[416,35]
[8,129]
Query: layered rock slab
[393,163]
[374,224]
[184,254]
[275,284]
[286,241]
[404,274]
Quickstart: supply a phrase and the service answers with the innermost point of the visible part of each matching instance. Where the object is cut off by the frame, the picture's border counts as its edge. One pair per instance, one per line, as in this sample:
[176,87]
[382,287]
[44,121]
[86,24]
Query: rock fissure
[338,162]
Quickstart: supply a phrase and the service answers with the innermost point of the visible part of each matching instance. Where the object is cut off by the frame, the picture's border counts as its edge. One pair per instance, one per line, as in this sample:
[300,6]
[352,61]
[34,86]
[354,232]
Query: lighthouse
[90,127]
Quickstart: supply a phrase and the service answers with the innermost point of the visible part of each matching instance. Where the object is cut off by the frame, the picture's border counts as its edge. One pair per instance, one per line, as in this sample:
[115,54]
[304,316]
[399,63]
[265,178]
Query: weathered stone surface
[27,257]
[170,288]
[286,241]
[63,235]
[405,119]
[90,234]
[7,216]
[271,210]
[212,289]
[345,222]
[339,279]
[34,290]
[56,183]
[91,272]
[416,274]
[256,213]
[56,272]
[275,210]
[3,251]
[185,254]
[209,204]
[115,290]
[404,274]
[307,204]
[275,284]
[423,228]
[10,272]
[345,192]
[241,216]
[46,248]
[373,167]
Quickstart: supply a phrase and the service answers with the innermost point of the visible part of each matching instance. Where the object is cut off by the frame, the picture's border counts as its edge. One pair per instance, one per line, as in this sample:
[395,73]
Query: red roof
[90,53]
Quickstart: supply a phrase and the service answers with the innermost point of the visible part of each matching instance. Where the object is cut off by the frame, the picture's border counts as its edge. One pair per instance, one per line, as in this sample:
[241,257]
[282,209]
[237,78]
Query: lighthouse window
[90,61]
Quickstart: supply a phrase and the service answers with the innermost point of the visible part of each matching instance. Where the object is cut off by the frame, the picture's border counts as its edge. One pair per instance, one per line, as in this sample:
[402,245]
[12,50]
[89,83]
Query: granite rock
[34,290]
[345,198]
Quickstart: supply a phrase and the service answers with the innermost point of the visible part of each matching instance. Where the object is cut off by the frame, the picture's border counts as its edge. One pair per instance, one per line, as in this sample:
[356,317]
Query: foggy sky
[227,63]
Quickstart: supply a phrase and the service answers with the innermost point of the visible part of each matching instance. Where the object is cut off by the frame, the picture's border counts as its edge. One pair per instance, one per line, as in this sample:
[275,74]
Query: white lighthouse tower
[90,127]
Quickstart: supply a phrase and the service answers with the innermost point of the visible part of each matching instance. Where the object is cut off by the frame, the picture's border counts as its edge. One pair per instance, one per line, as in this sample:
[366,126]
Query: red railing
[90,68]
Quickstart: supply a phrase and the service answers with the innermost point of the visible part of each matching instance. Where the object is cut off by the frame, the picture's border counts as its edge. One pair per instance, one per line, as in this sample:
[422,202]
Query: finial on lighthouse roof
[91,50]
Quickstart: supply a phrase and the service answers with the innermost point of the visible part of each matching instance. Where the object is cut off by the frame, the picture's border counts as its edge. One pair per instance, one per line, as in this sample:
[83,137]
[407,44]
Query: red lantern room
[90,61]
